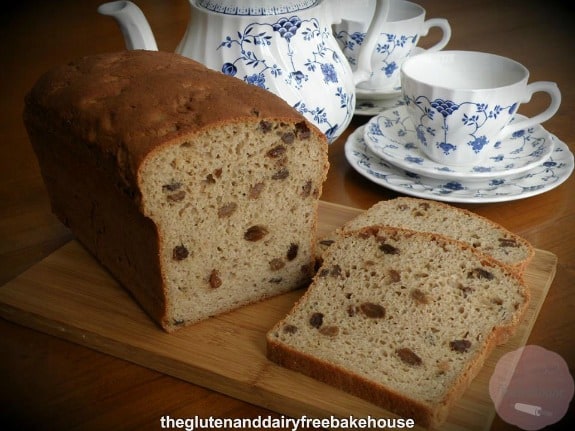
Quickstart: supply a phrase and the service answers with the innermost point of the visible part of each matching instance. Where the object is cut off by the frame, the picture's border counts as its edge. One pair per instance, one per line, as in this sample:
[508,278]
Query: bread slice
[457,223]
[401,318]
[197,191]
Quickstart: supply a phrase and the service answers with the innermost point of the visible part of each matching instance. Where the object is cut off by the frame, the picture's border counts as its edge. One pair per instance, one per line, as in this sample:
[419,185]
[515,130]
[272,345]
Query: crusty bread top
[131,102]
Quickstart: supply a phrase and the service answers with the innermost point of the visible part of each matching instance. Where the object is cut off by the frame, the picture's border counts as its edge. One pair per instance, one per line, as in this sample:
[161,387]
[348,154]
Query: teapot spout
[133,24]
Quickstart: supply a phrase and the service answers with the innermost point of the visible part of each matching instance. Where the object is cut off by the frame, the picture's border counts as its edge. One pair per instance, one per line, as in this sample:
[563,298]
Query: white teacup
[461,103]
[398,38]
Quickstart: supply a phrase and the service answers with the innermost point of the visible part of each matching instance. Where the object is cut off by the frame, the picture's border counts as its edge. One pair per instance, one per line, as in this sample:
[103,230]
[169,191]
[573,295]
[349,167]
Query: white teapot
[285,47]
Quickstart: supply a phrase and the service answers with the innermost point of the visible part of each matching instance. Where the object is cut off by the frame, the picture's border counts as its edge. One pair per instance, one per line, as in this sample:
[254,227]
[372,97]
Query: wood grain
[69,295]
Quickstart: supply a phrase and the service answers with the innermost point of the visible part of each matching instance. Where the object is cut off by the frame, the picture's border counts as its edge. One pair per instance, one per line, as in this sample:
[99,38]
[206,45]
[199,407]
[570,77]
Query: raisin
[461,346]
[327,242]
[335,271]
[302,131]
[288,137]
[256,190]
[408,356]
[373,311]
[292,251]
[215,280]
[508,242]
[480,273]
[419,296]
[227,209]
[465,289]
[180,252]
[388,249]
[172,187]
[282,174]
[176,197]
[316,320]
[255,233]
[394,275]
[265,126]
[306,189]
[290,329]
[330,331]
[276,152]
[276,264]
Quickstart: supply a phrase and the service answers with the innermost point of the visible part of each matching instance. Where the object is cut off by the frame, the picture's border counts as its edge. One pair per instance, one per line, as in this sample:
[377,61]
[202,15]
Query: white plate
[366,94]
[391,135]
[374,107]
[540,179]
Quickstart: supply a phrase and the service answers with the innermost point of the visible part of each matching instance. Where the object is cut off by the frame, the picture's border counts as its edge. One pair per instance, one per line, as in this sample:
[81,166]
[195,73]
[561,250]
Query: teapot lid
[255,7]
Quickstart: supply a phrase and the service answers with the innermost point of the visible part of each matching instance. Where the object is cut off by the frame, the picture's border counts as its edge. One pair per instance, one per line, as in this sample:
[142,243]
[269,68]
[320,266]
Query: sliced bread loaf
[197,191]
[403,319]
[457,223]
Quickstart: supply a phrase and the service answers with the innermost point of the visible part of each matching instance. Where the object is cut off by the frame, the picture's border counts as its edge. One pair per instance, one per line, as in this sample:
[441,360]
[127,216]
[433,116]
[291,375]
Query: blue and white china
[391,135]
[405,25]
[286,47]
[462,103]
[542,178]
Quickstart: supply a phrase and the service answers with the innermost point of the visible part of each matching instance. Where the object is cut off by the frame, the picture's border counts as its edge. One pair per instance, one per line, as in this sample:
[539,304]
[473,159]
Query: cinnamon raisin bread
[197,191]
[401,318]
[458,223]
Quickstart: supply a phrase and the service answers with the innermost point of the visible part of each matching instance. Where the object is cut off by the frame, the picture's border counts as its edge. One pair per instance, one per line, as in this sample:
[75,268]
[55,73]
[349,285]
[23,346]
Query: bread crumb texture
[198,191]
[395,314]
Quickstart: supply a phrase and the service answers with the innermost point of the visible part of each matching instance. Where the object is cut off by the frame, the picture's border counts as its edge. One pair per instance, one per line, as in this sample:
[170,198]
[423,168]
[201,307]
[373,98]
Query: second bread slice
[403,319]
[457,223]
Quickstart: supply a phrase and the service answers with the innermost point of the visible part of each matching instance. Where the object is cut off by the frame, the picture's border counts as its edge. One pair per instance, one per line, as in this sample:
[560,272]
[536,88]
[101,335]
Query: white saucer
[374,107]
[391,135]
[540,179]
[367,94]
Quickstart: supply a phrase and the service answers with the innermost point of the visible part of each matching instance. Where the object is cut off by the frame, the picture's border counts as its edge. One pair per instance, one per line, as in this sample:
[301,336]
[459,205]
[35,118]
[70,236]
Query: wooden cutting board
[69,295]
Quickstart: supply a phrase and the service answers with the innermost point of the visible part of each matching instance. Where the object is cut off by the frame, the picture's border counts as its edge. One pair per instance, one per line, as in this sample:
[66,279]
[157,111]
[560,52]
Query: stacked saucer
[527,163]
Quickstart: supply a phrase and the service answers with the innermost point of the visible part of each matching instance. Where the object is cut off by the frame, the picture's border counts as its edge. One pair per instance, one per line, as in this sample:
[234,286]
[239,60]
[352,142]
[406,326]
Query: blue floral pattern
[386,51]
[540,179]
[392,136]
[481,116]
[323,64]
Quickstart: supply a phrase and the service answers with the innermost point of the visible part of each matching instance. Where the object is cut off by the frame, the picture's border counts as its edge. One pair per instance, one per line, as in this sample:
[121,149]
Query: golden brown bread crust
[180,97]
[95,122]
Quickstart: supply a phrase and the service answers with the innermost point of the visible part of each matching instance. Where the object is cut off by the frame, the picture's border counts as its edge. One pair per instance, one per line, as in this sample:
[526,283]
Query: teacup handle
[363,71]
[548,87]
[445,27]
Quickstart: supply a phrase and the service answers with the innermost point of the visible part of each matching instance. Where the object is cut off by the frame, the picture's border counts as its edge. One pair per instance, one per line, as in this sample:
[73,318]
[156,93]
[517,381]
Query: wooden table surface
[47,383]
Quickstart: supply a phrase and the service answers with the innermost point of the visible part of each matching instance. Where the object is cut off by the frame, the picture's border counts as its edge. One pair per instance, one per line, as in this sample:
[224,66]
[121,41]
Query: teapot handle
[363,70]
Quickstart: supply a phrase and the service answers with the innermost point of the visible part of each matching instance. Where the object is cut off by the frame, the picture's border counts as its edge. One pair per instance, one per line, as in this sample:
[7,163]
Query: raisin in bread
[401,318]
[457,223]
[197,191]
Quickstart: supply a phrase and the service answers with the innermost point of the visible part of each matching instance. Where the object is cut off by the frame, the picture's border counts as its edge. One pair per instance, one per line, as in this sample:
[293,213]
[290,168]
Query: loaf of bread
[197,191]
[401,318]
[457,223]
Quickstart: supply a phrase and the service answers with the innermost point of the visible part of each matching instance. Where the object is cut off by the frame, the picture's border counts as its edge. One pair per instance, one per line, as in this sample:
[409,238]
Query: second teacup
[397,39]
[461,103]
